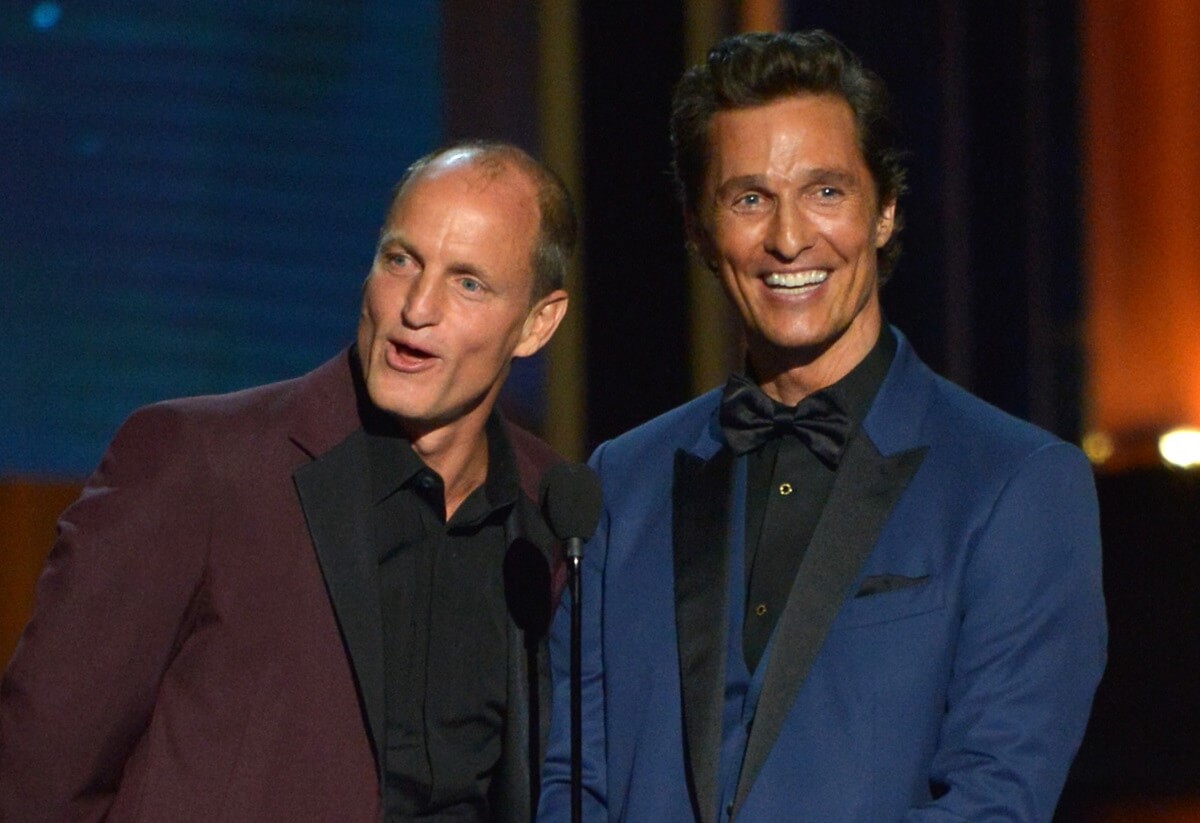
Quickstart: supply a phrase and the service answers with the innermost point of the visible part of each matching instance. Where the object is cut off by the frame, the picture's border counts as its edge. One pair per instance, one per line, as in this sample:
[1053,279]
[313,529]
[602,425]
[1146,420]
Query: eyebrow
[393,238]
[745,181]
[816,175]
[840,176]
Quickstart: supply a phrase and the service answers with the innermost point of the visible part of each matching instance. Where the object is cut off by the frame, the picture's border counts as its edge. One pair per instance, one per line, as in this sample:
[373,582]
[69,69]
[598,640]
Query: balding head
[557,230]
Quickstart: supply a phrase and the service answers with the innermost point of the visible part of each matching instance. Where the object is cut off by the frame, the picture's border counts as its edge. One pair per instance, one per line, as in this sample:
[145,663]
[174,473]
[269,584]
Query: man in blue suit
[841,588]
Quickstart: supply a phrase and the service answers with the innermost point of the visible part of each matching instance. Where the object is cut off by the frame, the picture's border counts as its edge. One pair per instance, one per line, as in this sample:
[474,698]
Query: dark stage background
[190,195]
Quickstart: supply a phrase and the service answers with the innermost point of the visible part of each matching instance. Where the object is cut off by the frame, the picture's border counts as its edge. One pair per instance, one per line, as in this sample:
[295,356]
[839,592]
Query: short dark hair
[557,227]
[755,69]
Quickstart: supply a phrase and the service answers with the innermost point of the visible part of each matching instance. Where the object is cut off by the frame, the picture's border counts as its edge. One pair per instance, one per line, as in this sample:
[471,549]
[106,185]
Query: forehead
[468,194]
[786,136]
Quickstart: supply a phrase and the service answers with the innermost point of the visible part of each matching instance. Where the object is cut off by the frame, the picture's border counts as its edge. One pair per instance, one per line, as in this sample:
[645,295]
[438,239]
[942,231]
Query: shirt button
[785,489]
[760,609]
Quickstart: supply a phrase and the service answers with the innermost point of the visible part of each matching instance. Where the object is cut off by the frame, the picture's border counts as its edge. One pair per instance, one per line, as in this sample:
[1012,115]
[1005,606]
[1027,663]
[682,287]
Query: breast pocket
[883,598]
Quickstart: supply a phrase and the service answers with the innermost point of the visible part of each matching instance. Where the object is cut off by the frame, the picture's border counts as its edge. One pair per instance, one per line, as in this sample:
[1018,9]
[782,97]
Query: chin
[797,339]
[389,400]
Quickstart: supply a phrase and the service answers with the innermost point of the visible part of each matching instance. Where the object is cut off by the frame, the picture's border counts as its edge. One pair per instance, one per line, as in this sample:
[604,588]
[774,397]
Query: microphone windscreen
[571,500]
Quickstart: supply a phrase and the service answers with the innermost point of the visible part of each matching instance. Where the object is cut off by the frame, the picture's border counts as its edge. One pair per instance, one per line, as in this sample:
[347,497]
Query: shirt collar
[856,391]
[394,465]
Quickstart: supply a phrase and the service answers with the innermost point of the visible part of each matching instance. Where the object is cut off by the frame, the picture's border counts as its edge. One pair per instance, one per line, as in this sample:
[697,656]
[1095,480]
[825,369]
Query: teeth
[794,280]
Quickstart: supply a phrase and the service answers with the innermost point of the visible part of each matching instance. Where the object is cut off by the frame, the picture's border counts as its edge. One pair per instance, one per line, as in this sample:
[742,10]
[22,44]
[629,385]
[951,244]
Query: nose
[790,231]
[423,301]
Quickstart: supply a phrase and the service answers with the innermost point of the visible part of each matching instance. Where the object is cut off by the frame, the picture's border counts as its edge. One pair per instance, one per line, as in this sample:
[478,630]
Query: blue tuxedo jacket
[937,655]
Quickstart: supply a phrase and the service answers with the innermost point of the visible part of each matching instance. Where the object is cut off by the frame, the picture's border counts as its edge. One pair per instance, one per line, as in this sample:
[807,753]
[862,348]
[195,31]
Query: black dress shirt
[445,630]
[787,487]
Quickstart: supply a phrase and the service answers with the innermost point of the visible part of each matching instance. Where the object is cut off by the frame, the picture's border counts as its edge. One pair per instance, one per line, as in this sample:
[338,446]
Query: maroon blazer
[206,642]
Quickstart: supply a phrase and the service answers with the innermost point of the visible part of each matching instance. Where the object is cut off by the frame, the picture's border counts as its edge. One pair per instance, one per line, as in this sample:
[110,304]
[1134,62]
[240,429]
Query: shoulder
[985,435]
[330,384]
[673,429]
[532,455]
[975,454]
[917,407]
[529,447]
[245,422]
[651,447]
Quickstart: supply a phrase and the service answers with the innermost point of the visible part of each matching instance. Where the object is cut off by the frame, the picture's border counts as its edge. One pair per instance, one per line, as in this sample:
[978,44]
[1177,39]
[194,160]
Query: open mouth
[404,357]
[797,279]
[411,351]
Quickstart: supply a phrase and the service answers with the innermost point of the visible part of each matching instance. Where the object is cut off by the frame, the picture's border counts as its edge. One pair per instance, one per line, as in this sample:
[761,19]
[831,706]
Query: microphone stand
[574,552]
[571,503]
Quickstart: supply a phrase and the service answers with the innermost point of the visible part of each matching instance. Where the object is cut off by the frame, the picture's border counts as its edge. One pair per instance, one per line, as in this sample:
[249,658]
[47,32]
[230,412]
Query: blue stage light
[45,15]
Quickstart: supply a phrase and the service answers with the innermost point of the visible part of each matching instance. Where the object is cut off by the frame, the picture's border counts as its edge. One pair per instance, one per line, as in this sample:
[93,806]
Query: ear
[699,241]
[885,223]
[541,323]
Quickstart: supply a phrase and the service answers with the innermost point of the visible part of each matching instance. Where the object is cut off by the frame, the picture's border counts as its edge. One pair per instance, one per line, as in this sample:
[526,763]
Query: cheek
[472,338]
[727,276]
[370,297]
[852,239]
[373,312]
[366,319]
[735,240]
[365,323]
[382,301]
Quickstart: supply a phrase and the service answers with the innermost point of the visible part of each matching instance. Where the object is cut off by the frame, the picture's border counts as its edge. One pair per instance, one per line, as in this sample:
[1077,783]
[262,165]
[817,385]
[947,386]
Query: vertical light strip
[1140,63]
[559,88]
[760,15]
[713,340]
[28,510]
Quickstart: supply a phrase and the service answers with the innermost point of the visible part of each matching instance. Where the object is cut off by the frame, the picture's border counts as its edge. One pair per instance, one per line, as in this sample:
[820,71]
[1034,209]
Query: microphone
[571,504]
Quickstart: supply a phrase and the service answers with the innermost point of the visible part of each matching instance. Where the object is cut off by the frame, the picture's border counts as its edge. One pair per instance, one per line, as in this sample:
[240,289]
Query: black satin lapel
[335,493]
[863,495]
[700,528]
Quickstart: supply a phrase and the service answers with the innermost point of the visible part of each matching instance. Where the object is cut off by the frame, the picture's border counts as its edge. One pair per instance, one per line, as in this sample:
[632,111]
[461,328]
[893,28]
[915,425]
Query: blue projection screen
[190,195]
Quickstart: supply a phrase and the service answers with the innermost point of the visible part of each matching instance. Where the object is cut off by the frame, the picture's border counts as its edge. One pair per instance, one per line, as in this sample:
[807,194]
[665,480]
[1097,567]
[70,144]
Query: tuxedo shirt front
[787,487]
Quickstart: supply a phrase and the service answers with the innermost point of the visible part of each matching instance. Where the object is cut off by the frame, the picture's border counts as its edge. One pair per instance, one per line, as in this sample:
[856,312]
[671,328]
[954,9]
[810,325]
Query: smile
[796,280]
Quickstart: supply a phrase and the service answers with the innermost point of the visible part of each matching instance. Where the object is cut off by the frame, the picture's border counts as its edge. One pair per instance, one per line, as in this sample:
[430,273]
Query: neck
[790,375]
[459,454]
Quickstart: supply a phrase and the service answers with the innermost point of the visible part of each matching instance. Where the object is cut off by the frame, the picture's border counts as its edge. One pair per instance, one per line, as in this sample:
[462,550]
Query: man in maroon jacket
[321,599]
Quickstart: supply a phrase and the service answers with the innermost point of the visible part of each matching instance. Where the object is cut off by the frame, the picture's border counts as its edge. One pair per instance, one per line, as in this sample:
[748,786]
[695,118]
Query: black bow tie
[750,419]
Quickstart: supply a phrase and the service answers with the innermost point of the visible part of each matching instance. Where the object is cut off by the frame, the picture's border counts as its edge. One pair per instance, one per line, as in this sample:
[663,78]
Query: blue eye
[472,285]
[750,201]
